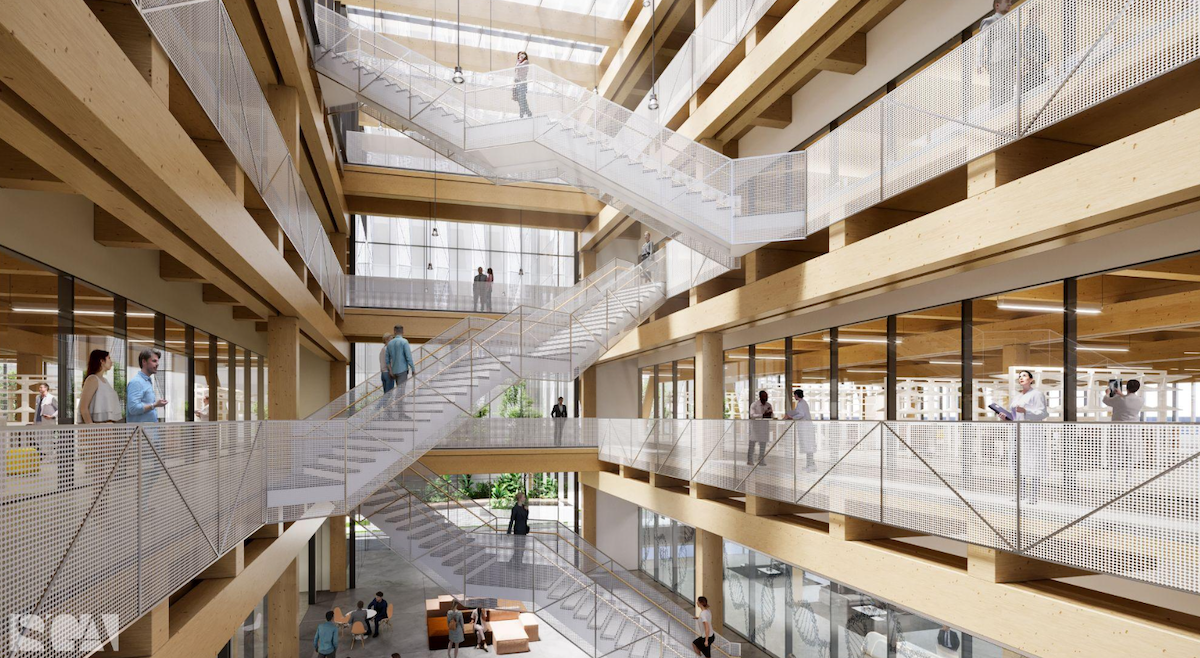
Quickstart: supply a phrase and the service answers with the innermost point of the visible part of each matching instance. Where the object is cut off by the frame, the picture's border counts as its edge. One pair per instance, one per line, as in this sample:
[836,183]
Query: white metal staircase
[687,190]
[366,438]
[572,586]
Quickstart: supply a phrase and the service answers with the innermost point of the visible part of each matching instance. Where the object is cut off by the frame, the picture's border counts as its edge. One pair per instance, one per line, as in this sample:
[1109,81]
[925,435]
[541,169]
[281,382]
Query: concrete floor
[406,588]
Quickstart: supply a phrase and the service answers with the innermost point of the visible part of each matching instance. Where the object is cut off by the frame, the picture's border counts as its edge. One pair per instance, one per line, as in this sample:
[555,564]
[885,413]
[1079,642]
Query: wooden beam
[144,637]
[19,172]
[848,58]
[283,608]
[211,294]
[112,232]
[849,528]
[453,212]
[1017,160]
[171,268]
[633,57]
[377,182]
[863,225]
[1005,223]
[1003,567]
[92,90]
[776,115]
[291,55]
[243,313]
[515,460]
[228,565]
[125,25]
[508,15]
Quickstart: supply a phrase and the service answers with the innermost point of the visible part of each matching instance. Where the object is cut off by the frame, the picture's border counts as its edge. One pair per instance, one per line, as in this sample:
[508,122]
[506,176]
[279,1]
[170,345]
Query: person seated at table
[380,606]
[358,615]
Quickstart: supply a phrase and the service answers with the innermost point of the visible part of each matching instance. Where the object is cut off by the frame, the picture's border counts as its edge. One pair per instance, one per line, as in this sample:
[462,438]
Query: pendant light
[652,102]
[458,72]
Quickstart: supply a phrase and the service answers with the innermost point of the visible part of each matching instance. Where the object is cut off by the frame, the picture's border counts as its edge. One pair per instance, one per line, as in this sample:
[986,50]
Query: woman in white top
[98,403]
[1030,405]
[805,439]
[703,644]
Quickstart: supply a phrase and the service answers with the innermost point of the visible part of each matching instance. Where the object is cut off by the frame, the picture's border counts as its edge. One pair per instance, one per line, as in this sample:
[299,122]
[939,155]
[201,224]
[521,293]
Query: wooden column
[710,376]
[339,571]
[337,378]
[589,513]
[1029,155]
[710,574]
[283,612]
[283,359]
[228,565]
[285,105]
[587,390]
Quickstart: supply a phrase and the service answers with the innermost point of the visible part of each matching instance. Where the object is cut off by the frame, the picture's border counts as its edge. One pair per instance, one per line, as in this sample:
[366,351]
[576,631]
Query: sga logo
[84,634]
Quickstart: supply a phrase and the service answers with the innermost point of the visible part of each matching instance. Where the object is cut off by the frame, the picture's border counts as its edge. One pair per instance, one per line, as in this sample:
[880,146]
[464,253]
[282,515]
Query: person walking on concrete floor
[454,625]
[325,641]
[400,365]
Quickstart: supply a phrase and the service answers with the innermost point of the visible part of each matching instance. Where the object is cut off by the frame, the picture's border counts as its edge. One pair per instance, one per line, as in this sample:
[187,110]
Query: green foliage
[516,403]
[484,411]
[545,486]
[505,490]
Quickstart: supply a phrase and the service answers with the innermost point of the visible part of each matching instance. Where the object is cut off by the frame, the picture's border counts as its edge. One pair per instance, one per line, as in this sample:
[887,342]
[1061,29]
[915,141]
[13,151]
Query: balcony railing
[430,295]
[203,45]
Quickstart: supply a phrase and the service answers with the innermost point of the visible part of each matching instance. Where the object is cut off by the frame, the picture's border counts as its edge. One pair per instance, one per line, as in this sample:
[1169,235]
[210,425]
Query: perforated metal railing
[458,508]
[1114,498]
[1041,63]
[721,30]
[435,295]
[201,42]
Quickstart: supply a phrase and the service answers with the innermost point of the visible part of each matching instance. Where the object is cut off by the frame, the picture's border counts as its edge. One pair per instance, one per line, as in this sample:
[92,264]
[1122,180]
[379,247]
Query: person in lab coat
[1030,406]
[805,439]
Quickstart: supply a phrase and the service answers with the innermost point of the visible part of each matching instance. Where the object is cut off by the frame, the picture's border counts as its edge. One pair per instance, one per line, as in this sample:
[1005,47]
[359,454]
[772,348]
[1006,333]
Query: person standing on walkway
[1126,408]
[521,88]
[559,414]
[704,628]
[141,403]
[454,626]
[998,53]
[400,365]
[477,289]
[518,525]
[760,432]
[326,639]
[47,406]
[805,438]
[98,403]
[487,290]
[1030,406]
[385,375]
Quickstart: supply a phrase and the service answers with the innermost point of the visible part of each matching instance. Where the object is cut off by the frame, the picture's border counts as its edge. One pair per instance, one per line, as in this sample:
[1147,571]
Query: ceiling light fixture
[653,104]
[1021,305]
[1103,348]
[866,372]
[458,78]
[952,363]
[458,73]
[842,338]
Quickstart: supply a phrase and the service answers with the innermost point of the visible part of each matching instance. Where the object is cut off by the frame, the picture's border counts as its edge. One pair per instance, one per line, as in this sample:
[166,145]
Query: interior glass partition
[929,365]
[737,383]
[685,388]
[810,372]
[96,328]
[666,390]
[1013,332]
[770,375]
[173,372]
[139,323]
[202,360]
[29,305]
[646,389]
[862,370]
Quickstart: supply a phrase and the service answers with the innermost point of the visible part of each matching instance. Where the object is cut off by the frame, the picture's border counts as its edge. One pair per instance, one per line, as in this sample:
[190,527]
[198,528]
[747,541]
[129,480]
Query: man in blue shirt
[326,640]
[141,402]
[400,364]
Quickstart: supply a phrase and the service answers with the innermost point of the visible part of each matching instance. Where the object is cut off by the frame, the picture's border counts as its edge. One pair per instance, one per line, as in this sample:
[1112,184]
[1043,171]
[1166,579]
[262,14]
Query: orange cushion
[437,626]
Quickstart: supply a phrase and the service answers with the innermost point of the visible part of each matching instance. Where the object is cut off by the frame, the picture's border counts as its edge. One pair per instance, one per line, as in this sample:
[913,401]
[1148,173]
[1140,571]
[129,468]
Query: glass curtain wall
[770,375]
[1014,332]
[737,383]
[96,328]
[139,323]
[435,250]
[667,390]
[685,388]
[862,370]
[929,365]
[810,372]
[29,303]
[667,553]
[786,611]
[173,372]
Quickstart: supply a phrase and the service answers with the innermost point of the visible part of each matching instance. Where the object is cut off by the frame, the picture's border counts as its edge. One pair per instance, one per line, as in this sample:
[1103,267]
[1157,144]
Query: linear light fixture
[1022,305]
[935,362]
[106,314]
[867,372]
[1103,348]
[861,339]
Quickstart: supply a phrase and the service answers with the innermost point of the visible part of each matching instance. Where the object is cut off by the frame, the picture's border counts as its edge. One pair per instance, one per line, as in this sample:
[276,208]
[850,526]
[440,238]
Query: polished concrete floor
[406,588]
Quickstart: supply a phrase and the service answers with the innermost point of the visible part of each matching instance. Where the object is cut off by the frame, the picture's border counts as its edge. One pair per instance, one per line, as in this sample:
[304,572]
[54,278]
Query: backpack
[452,623]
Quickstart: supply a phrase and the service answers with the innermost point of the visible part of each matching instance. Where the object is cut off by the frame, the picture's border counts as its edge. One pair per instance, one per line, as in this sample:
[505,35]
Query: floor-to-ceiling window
[770,366]
[685,388]
[810,372]
[929,365]
[862,370]
[737,383]
[1014,332]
